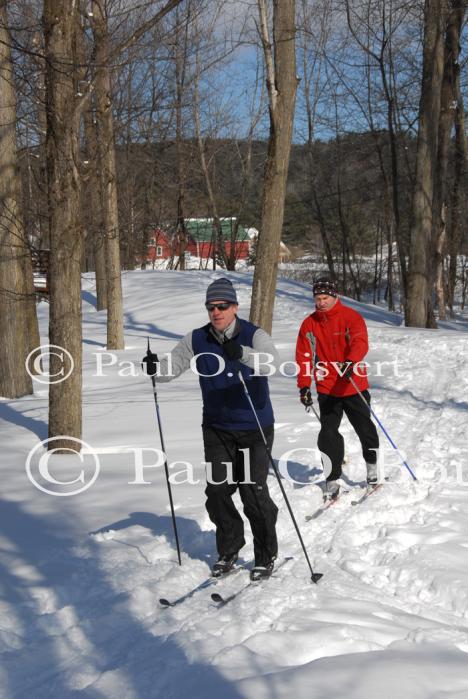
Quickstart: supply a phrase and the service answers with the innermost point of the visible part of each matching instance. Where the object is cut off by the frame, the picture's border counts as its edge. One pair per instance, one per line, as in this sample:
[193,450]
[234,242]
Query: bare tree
[245,161]
[281,79]
[218,243]
[62,30]
[418,306]
[16,293]
[181,49]
[106,151]
[374,26]
[447,114]
[93,212]
[316,27]
[454,27]
[209,117]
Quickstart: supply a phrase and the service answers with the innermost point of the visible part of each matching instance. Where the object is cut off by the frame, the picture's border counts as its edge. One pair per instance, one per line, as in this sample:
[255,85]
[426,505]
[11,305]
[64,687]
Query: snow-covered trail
[81,576]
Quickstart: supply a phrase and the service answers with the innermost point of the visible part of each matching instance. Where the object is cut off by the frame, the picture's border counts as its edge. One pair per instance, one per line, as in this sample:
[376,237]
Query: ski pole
[383,429]
[169,490]
[315,577]
[311,339]
[311,407]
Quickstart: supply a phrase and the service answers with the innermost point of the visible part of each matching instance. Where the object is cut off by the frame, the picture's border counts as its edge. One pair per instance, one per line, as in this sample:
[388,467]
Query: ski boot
[224,565]
[332,490]
[261,572]
[372,474]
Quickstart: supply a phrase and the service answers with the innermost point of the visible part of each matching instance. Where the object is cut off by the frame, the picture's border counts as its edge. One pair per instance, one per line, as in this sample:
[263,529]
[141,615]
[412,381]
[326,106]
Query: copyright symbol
[38,467]
[55,355]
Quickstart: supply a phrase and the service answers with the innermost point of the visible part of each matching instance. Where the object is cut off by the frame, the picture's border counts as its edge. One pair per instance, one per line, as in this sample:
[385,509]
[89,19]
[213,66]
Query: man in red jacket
[333,341]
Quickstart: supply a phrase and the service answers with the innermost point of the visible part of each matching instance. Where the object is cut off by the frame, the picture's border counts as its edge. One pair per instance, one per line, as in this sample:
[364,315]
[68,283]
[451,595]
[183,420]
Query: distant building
[162,246]
[284,255]
[200,237]
[159,246]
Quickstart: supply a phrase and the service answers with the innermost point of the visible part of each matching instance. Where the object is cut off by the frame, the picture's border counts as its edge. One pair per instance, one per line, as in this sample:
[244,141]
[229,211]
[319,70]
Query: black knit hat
[221,290]
[325,286]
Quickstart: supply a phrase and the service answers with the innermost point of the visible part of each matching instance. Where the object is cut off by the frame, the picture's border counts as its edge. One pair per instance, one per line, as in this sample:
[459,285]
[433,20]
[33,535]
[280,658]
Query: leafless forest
[336,126]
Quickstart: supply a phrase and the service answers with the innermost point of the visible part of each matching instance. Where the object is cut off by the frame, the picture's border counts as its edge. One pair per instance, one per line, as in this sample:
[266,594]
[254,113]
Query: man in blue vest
[223,347]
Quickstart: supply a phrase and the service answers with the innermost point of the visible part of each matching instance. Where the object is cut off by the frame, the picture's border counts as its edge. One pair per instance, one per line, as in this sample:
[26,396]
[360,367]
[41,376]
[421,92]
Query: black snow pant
[331,442]
[223,446]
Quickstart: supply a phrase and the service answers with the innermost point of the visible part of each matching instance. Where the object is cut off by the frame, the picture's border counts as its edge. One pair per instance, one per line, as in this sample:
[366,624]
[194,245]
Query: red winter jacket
[337,335]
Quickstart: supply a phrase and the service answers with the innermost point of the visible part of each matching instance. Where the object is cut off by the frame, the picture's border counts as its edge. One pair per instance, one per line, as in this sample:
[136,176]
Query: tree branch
[267,51]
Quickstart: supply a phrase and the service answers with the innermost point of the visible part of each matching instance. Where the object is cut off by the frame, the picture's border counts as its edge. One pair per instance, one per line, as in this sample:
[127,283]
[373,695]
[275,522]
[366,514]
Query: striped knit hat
[221,290]
[325,286]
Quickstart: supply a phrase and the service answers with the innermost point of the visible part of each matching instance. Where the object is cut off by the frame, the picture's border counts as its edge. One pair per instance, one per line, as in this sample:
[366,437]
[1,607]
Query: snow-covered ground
[81,575]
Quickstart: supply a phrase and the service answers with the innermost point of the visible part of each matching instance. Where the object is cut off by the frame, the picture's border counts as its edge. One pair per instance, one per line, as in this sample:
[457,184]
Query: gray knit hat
[221,290]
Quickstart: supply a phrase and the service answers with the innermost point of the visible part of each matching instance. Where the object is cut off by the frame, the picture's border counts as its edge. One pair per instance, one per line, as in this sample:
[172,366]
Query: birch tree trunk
[280,66]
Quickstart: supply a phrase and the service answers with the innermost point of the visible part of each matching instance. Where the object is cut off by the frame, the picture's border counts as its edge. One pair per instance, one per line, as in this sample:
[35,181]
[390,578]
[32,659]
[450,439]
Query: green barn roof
[201,229]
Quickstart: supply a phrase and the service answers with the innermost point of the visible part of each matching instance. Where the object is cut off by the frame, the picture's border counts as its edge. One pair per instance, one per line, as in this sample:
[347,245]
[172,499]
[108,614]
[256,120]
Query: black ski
[208,582]
[222,601]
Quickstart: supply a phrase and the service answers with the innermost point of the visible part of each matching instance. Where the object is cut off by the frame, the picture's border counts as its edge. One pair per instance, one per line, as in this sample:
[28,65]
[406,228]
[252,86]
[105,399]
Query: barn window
[159,251]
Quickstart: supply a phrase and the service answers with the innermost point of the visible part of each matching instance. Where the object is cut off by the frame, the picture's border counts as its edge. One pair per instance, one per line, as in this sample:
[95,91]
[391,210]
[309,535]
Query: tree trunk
[376,266]
[439,266]
[61,19]
[95,217]
[282,85]
[387,75]
[231,259]
[29,308]
[418,306]
[464,283]
[146,231]
[180,64]
[324,234]
[389,294]
[219,244]
[345,236]
[460,149]
[105,130]
[447,114]
[395,176]
[14,299]
[456,223]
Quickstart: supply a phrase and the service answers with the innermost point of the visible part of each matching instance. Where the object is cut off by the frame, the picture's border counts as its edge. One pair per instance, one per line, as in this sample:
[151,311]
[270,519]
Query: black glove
[306,397]
[233,349]
[346,369]
[149,362]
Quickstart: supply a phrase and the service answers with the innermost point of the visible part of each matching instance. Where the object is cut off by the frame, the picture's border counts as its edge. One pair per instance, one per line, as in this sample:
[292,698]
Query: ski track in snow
[81,579]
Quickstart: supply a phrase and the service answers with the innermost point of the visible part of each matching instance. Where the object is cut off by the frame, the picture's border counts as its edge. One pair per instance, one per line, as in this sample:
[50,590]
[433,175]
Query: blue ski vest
[225,404]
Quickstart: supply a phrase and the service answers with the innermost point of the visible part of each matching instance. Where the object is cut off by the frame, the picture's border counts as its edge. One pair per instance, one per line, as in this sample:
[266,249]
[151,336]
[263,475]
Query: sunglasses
[220,306]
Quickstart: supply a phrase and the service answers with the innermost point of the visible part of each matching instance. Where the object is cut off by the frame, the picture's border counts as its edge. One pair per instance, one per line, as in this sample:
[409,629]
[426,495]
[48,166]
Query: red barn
[162,245]
[159,246]
[200,243]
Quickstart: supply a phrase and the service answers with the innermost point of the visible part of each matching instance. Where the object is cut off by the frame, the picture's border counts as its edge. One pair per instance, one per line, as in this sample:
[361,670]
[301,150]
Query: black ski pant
[223,446]
[331,442]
